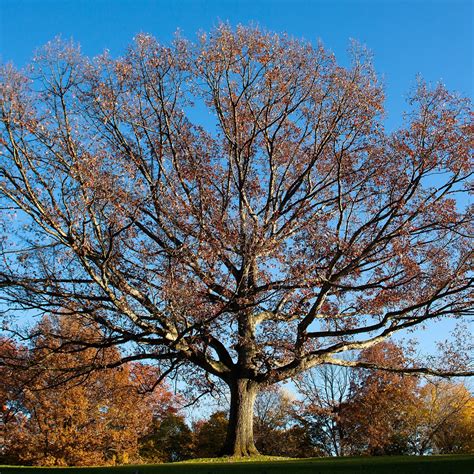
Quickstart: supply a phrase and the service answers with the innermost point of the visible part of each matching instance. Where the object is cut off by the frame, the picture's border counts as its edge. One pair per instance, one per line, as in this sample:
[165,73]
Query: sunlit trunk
[239,440]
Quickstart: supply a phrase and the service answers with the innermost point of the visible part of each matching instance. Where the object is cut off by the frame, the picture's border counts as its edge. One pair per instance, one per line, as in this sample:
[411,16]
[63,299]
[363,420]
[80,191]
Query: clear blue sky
[434,38]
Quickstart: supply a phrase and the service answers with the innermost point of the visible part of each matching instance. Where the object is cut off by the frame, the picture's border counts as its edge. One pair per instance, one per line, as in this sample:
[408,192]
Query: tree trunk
[239,439]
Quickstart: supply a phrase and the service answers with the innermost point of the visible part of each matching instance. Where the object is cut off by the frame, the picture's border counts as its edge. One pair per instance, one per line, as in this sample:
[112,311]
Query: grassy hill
[462,464]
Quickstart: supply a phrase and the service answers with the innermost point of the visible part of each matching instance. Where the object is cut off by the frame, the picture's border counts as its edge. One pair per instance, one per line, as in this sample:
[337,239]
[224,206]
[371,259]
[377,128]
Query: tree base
[238,452]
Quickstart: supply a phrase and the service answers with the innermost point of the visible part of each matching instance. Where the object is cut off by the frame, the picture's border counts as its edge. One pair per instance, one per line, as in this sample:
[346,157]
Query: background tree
[277,429]
[272,416]
[210,435]
[168,440]
[10,396]
[442,419]
[457,435]
[352,411]
[376,417]
[292,229]
[325,392]
[93,421]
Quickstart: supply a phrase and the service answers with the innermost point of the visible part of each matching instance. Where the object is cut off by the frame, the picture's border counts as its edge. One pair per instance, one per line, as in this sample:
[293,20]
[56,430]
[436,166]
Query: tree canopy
[233,204]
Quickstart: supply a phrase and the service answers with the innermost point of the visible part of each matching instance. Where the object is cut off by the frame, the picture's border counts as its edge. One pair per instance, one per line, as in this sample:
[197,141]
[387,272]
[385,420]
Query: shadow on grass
[456,464]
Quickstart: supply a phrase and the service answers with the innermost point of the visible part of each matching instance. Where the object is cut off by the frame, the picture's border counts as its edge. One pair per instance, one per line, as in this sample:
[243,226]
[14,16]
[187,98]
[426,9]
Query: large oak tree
[233,204]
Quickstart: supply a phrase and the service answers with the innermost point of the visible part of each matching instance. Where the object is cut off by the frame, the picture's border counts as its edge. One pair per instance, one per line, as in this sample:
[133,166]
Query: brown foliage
[350,412]
[90,421]
[376,417]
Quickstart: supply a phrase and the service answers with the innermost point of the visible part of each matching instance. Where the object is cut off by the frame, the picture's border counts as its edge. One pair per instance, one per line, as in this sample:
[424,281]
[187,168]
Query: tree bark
[239,439]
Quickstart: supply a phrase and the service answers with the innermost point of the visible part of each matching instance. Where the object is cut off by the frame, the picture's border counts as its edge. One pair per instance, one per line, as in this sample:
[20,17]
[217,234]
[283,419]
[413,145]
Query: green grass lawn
[462,464]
